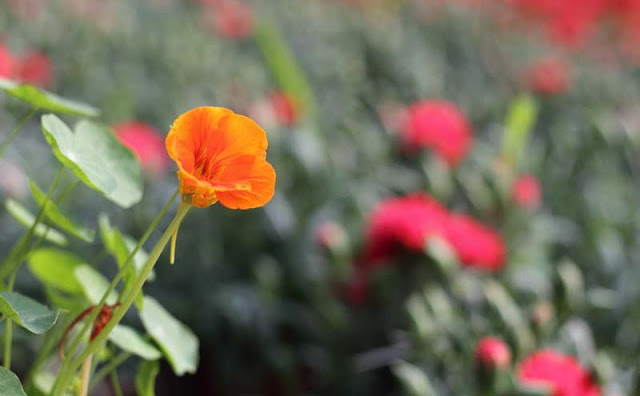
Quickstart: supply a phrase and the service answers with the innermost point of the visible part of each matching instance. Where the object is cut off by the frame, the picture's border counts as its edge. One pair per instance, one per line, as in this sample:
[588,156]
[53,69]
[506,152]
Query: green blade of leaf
[97,158]
[178,344]
[41,99]
[56,268]
[130,340]
[414,381]
[146,378]
[55,215]
[26,219]
[94,284]
[27,313]
[518,125]
[10,384]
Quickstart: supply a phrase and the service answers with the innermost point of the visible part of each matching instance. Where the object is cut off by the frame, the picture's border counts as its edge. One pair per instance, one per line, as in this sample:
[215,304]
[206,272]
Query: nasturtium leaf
[10,384]
[55,216]
[56,268]
[146,378]
[130,340]
[26,219]
[518,125]
[94,284]
[178,344]
[43,100]
[97,158]
[27,313]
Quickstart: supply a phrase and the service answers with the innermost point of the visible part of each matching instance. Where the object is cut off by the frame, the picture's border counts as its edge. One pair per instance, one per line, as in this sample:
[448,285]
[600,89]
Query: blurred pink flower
[406,223]
[549,75]
[561,374]
[492,353]
[476,245]
[439,126]
[330,235]
[7,62]
[146,143]
[13,181]
[285,108]
[34,68]
[526,192]
[229,18]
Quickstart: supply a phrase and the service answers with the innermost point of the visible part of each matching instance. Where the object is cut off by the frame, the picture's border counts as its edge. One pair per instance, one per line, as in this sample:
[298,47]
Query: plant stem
[7,344]
[119,312]
[70,366]
[115,382]
[10,264]
[13,133]
[108,368]
[86,374]
[89,321]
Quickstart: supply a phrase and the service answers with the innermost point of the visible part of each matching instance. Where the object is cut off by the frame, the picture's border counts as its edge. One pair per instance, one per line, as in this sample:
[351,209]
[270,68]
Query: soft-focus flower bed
[455,211]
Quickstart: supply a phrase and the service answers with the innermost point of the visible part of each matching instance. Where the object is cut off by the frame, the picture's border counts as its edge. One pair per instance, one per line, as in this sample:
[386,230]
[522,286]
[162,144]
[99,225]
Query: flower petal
[258,173]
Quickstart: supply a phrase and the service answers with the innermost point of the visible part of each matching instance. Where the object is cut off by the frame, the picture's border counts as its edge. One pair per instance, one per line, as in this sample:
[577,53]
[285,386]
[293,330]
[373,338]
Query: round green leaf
[27,313]
[44,100]
[97,158]
[10,384]
[94,284]
[55,216]
[179,345]
[56,268]
[26,219]
[130,340]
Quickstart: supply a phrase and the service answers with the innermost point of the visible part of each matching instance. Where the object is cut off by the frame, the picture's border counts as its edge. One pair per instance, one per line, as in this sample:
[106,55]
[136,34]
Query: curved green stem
[108,368]
[13,133]
[62,380]
[65,377]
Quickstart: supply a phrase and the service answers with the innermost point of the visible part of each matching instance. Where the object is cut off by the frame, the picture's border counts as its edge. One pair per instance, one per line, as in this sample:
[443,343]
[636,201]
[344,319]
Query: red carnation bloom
[561,374]
[549,75]
[439,126]
[35,68]
[492,353]
[476,245]
[402,223]
[526,192]
[146,143]
[7,62]
[407,222]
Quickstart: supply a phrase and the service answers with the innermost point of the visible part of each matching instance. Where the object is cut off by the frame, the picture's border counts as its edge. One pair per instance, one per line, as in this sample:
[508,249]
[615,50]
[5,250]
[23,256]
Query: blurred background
[447,170]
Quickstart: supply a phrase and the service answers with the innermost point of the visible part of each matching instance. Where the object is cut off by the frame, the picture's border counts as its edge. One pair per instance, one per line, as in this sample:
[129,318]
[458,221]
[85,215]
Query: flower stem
[65,375]
[108,368]
[86,375]
[92,317]
[13,133]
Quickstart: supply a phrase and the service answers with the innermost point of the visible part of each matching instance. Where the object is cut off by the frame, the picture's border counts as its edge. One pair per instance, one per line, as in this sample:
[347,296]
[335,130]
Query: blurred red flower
[439,126]
[284,107]
[407,222]
[492,353]
[229,18]
[526,192]
[7,62]
[34,68]
[561,374]
[402,223]
[146,143]
[549,75]
[476,245]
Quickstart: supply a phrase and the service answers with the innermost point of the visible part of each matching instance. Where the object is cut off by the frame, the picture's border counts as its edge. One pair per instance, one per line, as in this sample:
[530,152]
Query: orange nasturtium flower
[221,156]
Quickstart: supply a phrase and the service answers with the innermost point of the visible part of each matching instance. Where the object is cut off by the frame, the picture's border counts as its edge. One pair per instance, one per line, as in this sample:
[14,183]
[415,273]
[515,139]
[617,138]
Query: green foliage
[127,339]
[47,101]
[56,268]
[178,344]
[26,219]
[146,378]
[55,216]
[26,312]
[10,384]
[90,150]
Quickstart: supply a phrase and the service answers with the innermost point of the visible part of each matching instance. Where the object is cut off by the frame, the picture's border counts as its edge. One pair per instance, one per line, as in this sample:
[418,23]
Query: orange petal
[258,173]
